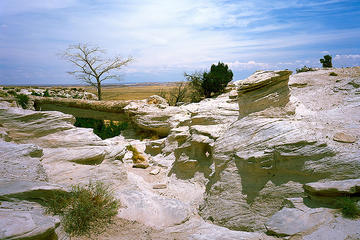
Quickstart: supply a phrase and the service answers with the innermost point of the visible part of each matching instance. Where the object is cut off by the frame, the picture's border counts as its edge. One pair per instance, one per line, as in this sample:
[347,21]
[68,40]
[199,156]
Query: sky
[169,37]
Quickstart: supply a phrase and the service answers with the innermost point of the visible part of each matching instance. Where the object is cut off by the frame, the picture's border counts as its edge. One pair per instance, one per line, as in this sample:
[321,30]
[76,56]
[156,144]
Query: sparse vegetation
[326,61]
[333,74]
[137,157]
[85,210]
[12,92]
[46,93]
[22,100]
[102,129]
[349,207]
[3,94]
[36,93]
[195,84]
[177,94]
[92,67]
[304,69]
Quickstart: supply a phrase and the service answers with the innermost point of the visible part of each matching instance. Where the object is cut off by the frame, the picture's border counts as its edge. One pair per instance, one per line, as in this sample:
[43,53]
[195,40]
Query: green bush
[304,69]
[17,89]
[12,92]
[216,80]
[3,94]
[208,83]
[100,128]
[85,210]
[35,93]
[333,74]
[46,93]
[326,61]
[22,100]
[348,207]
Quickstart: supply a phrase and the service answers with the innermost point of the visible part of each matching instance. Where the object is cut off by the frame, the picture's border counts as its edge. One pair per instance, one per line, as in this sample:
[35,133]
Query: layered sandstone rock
[239,160]
[270,152]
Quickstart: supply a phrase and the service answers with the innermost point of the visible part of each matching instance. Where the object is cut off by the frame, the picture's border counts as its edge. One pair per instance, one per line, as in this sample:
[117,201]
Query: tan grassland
[131,92]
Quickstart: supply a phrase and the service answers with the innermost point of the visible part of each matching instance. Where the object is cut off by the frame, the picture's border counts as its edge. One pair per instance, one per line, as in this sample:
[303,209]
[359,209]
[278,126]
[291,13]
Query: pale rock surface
[198,229]
[244,151]
[21,161]
[263,89]
[25,220]
[28,190]
[343,137]
[272,150]
[302,222]
[334,188]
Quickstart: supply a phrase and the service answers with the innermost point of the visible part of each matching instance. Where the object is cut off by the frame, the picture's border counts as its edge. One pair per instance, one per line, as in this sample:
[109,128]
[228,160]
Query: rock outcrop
[254,162]
[270,152]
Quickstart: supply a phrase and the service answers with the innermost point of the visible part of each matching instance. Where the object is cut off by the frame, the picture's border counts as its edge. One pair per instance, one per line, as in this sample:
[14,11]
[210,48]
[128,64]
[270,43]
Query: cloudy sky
[170,37]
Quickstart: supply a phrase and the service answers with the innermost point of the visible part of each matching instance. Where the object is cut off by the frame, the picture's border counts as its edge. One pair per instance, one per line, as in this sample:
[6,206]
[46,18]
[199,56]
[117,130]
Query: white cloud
[165,36]
[247,65]
[349,56]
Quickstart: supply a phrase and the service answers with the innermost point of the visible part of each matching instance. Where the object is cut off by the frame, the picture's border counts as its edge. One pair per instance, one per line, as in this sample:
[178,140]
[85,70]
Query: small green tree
[216,80]
[326,61]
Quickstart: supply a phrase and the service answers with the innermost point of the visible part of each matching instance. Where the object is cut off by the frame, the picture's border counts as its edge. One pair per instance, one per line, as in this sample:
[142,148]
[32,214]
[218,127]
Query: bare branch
[91,67]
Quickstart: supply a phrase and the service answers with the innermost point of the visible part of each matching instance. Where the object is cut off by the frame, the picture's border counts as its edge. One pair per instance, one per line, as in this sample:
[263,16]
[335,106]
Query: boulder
[152,209]
[262,90]
[343,137]
[292,221]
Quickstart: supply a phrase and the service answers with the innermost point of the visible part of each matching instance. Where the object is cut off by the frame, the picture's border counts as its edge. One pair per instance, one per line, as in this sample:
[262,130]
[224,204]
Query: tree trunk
[99,90]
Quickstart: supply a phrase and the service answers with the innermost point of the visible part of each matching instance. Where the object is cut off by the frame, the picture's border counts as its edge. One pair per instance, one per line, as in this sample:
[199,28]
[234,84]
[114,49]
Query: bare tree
[92,67]
[178,93]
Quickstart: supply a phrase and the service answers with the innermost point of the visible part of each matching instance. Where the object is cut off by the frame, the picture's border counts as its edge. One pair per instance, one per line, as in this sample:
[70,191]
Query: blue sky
[168,38]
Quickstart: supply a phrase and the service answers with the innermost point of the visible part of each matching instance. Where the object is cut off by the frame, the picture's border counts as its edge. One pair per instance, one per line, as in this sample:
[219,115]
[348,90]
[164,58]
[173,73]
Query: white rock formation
[229,161]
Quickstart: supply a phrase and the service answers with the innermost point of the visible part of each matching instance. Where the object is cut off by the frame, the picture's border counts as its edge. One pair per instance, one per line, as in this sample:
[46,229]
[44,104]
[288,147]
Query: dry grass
[130,93]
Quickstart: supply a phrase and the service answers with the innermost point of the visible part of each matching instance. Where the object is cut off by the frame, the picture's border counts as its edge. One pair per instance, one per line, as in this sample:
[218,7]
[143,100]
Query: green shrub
[12,92]
[326,61]
[348,207]
[333,74]
[85,210]
[100,128]
[22,100]
[304,69]
[216,80]
[17,89]
[3,94]
[35,93]
[46,93]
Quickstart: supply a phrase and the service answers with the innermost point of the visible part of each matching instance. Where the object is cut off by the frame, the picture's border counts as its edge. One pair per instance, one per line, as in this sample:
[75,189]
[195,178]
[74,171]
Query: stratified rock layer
[272,150]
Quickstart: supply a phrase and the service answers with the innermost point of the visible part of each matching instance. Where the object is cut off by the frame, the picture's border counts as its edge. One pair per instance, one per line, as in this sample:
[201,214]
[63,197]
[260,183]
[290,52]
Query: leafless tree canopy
[91,66]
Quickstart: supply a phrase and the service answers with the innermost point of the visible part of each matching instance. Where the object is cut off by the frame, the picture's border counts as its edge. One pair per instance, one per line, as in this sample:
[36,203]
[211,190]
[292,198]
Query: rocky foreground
[268,159]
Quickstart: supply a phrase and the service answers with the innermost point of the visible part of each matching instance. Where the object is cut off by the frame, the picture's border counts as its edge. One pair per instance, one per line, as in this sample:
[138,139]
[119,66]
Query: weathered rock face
[270,152]
[262,90]
[236,159]
[26,220]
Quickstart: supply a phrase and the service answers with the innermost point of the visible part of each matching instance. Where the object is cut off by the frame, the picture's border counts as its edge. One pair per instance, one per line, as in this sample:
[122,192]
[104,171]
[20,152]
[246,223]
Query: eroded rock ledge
[240,162]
